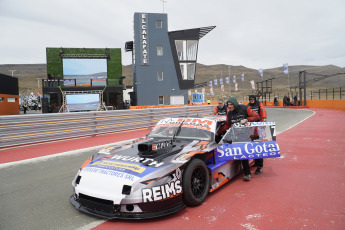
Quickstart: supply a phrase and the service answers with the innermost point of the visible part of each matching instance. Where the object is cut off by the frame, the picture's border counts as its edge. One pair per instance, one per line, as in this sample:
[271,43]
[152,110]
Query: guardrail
[30,129]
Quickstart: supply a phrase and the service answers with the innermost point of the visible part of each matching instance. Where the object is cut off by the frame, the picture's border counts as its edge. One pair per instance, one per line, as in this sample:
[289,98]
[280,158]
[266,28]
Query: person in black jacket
[221,108]
[239,114]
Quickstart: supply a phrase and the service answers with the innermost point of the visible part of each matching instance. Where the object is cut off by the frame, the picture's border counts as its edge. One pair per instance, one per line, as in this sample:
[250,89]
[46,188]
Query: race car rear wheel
[195,183]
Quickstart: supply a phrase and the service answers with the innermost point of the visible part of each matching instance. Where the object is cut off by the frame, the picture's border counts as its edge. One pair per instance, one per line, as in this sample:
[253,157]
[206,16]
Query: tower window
[160,75]
[159,24]
[159,50]
[160,100]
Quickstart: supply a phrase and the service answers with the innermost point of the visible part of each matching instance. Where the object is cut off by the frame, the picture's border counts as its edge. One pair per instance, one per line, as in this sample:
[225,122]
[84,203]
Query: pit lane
[34,194]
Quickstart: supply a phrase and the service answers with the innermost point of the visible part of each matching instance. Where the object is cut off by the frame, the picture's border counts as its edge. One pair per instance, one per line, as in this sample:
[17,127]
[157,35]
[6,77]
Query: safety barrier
[37,128]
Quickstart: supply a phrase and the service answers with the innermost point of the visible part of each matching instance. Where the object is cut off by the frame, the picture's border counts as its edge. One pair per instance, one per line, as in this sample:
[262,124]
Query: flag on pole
[215,82]
[236,89]
[261,73]
[189,92]
[253,84]
[227,80]
[211,90]
[203,90]
[234,78]
[222,87]
[221,81]
[286,68]
[210,83]
[242,77]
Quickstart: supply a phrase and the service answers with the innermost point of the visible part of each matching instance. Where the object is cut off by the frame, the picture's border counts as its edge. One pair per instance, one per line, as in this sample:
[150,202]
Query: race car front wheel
[195,183]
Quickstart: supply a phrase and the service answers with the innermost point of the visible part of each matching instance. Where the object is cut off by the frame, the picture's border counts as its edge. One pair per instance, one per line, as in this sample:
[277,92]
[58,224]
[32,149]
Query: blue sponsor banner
[132,168]
[249,150]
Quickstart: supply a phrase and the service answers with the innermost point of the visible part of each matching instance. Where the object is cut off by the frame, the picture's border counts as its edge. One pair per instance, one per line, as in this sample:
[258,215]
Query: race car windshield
[184,133]
[247,134]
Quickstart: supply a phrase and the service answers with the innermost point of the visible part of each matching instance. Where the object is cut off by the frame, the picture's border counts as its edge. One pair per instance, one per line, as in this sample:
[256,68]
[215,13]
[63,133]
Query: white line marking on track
[298,122]
[91,225]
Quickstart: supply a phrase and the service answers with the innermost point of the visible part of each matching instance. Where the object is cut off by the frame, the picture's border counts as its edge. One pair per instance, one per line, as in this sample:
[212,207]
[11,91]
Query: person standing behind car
[258,107]
[221,108]
[239,114]
[295,100]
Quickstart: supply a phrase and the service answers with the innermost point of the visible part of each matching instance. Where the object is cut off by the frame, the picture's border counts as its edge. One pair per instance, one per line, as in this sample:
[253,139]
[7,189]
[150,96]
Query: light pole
[12,71]
[163,1]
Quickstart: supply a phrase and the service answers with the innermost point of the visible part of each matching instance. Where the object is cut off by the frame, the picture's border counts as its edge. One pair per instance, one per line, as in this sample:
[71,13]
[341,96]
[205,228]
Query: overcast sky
[253,33]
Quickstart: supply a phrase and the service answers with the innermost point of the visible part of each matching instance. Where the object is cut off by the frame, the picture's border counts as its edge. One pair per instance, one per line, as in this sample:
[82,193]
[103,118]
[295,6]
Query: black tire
[195,183]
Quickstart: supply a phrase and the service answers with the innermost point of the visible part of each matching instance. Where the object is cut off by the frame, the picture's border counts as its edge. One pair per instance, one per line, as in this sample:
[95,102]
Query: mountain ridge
[28,75]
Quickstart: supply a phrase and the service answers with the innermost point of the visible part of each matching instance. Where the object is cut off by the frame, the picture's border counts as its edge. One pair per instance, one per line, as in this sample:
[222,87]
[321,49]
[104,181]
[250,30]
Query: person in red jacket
[221,108]
[239,114]
[258,107]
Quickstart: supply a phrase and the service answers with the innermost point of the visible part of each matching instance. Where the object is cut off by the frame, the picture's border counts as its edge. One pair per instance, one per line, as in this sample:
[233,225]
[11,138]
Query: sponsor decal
[164,191]
[107,150]
[113,173]
[161,145]
[147,161]
[119,166]
[188,122]
[181,159]
[243,151]
[262,123]
[236,123]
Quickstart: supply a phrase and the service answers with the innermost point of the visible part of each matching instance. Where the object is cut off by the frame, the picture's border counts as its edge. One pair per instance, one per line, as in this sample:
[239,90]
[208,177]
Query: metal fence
[30,129]
[327,94]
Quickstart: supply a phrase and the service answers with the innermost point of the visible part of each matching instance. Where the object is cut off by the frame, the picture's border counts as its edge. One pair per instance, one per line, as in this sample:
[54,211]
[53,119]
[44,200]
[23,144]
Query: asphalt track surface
[304,189]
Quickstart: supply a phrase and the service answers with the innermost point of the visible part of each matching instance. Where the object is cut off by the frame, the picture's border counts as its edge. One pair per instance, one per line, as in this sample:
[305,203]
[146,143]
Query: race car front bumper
[109,211]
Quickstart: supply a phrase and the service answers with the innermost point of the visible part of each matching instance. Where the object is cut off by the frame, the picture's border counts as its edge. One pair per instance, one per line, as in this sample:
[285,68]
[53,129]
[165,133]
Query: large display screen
[84,71]
[82,102]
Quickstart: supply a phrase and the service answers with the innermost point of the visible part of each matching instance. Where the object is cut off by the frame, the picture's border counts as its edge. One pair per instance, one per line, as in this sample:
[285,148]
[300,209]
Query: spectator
[221,108]
[276,101]
[288,101]
[258,107]
[295,100]
[25,108]
[239,114]
[52,80]
[58,77]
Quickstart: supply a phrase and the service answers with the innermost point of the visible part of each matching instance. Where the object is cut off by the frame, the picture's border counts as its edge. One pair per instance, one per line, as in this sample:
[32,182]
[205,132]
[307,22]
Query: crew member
[208,101]
[258,107]
[221,108]
[239,114]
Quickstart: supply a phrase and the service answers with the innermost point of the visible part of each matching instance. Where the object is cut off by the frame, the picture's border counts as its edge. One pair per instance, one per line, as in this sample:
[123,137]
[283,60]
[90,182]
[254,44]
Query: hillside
[28,75]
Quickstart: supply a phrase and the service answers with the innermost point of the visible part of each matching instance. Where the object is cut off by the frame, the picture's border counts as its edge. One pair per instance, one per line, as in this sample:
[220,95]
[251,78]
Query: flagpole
[221,77]
[229,81]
